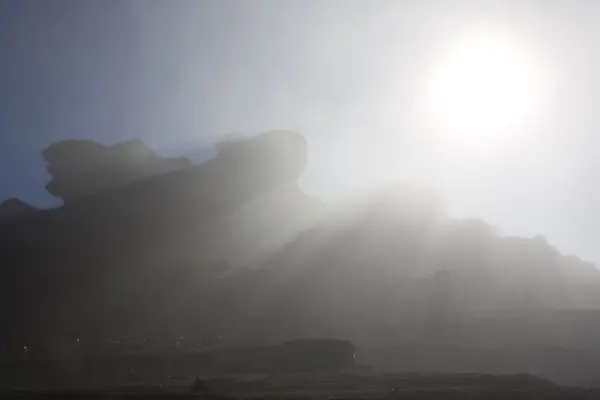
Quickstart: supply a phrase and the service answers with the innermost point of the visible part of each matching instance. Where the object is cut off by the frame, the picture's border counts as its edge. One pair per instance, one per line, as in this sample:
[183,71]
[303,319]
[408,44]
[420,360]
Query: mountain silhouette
[233,248]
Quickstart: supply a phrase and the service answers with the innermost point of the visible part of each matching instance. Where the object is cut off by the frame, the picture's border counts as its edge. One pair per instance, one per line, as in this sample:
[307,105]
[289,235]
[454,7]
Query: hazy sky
[346,74]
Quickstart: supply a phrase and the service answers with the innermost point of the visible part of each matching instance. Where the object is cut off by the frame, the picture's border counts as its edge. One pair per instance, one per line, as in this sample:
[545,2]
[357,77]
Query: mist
[349,76]
[411,178]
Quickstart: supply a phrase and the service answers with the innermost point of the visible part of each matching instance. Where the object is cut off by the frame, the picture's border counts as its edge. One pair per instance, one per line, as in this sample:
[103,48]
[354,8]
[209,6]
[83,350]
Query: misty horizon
[347,77]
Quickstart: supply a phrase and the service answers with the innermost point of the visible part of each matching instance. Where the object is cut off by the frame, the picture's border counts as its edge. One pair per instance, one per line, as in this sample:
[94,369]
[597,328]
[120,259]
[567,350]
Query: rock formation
[104,249]
[83,167]
[163,253]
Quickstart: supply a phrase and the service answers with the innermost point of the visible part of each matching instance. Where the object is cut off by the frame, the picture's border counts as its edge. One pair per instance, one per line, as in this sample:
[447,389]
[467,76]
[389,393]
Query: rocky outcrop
[97,259]
[83,167]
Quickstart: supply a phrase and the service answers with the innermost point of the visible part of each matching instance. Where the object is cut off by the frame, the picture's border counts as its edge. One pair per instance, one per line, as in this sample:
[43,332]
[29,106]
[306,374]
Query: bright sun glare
[483,86]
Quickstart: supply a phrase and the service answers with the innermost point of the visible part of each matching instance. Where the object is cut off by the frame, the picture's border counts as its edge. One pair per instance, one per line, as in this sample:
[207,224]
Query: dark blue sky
[347,74]
[75,69]
[62,75]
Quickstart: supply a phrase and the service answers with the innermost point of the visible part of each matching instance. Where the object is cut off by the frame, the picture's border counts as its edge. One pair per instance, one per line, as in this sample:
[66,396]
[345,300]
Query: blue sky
[81,69]
[344,73]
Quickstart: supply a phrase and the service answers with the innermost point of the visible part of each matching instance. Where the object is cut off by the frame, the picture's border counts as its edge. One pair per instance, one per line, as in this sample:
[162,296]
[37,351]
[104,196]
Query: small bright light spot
[483,86]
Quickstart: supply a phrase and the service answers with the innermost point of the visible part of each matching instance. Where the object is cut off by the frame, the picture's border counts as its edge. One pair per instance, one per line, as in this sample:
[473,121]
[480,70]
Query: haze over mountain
[234,247]
[433,202]
[349,76]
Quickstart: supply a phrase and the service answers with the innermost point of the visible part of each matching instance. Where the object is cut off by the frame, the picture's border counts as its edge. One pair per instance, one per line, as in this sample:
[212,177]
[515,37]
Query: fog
[350,75]
[414,177]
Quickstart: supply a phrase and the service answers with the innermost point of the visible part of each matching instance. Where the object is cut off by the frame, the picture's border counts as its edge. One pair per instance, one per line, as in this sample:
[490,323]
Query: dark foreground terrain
[342,385]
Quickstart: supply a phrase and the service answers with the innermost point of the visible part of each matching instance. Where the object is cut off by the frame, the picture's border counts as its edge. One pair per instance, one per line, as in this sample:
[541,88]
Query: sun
[484,86]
